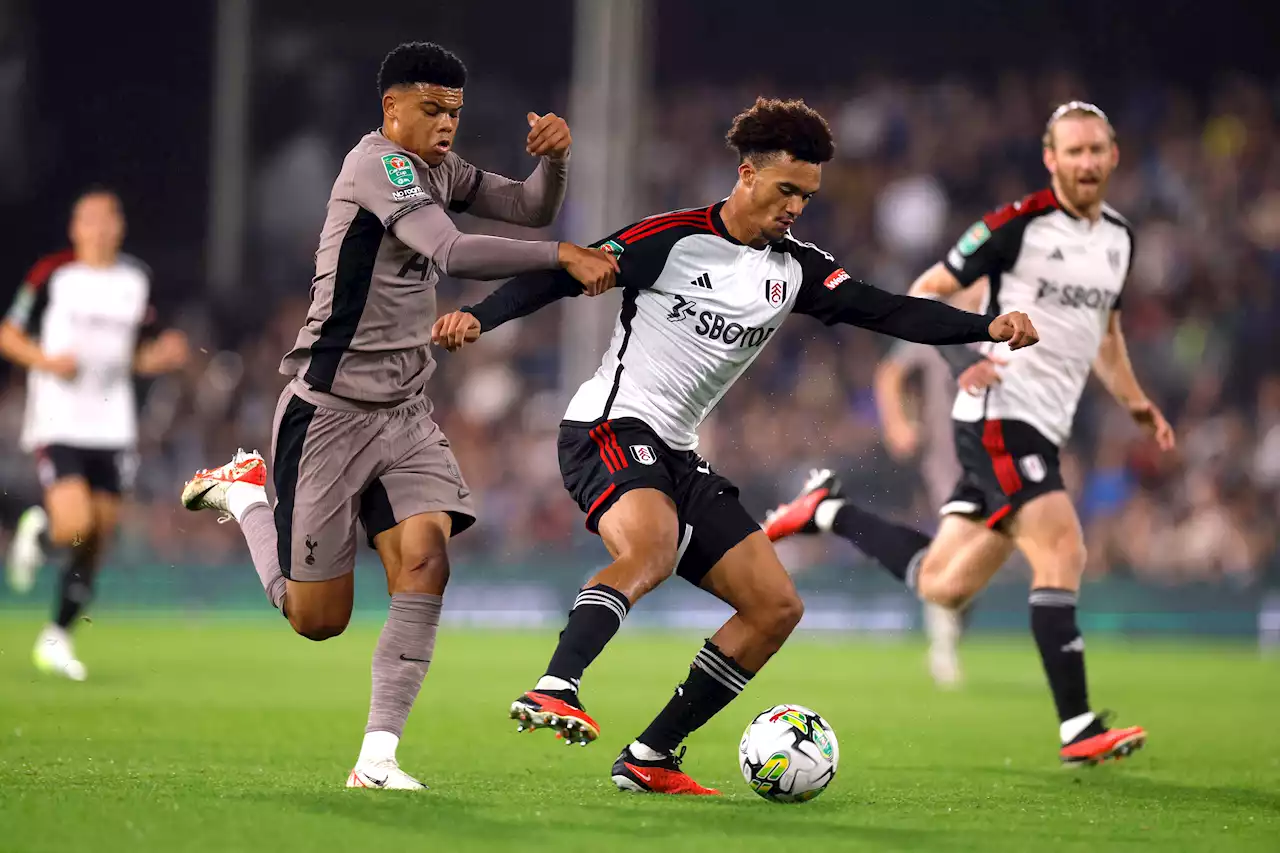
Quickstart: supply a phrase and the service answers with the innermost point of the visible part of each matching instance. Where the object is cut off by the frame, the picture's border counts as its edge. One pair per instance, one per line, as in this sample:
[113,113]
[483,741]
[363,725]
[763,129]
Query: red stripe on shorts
[606,452]
[617,448]
[1001,459]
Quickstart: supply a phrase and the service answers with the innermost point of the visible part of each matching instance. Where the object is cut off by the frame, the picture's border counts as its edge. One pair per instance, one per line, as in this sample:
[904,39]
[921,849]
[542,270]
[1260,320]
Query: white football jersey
[1066,274]
[699,307]
[94,314]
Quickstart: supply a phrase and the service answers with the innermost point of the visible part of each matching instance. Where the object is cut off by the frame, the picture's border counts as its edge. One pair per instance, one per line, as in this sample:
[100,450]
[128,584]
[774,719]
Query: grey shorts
[335,463]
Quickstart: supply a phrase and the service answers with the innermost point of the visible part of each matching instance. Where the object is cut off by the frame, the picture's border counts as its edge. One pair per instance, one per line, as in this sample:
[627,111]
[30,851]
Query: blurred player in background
[1062,255]
[917,427]
[703,292]
[82,325]
[354,440]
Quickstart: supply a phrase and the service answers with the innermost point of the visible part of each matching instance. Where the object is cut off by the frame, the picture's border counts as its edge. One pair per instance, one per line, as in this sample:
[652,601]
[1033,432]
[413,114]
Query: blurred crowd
[916,164]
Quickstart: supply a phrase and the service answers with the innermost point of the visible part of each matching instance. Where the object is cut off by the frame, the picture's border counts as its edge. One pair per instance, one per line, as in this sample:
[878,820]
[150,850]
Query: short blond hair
[1075,109]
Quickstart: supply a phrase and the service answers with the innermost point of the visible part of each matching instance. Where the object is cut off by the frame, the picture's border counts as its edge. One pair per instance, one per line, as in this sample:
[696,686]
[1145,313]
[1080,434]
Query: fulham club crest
[775,292]
[644,454]
[1033,467]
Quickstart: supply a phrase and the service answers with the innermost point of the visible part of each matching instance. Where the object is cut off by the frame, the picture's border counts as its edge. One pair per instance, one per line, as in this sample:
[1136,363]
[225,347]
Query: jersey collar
[1057,202]
[718,224]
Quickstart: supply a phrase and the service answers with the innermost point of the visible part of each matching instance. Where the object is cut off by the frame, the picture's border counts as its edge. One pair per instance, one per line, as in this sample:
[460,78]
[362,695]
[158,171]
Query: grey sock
[401,660]
[259,528]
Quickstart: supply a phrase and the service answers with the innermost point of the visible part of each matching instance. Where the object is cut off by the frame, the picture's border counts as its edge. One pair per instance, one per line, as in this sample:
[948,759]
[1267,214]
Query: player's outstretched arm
[430,232]
[519,297]
[535,201]
[1114,369]
[939,282]
[838,298]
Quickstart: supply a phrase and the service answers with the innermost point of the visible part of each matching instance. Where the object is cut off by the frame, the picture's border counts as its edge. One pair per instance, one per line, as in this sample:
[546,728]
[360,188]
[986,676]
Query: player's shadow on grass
[620,817]
[1118,780]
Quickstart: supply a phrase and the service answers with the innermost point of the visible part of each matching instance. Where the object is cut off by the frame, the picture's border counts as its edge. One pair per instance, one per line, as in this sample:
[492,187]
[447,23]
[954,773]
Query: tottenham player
[353,436]
[82,326]
[703,291]
[920,429]
[1062,255]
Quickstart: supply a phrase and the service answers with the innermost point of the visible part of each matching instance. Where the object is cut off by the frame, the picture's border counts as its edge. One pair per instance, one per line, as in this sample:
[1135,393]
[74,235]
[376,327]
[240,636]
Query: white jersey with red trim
[698,310]
[1066,274]
[94,314]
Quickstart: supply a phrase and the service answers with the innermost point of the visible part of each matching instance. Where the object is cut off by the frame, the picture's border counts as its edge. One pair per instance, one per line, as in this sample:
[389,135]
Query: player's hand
[63,366]
[1015,328]
[169,351]
[976,378]
[595,269]
[548,136]
[454,330]
[901,439]
[1148,416]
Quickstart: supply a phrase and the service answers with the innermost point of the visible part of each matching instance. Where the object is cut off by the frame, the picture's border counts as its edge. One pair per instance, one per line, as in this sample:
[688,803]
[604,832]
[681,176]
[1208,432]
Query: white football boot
[212,488]
[54,654]
[25,554]
[384,773]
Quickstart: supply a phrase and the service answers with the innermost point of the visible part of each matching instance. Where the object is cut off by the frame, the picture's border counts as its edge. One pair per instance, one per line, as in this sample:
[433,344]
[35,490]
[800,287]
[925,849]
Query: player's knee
[71,528]
[1061,561]
[951,593]
[318,625]
[652,561]
[779,616]
[423,572]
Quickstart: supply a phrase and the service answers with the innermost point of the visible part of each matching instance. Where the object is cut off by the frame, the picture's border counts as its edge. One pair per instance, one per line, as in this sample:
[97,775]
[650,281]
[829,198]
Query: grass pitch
[225,735]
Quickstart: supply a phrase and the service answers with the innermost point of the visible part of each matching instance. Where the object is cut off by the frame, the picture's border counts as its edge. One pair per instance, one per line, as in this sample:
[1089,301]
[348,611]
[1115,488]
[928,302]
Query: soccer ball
[788,754]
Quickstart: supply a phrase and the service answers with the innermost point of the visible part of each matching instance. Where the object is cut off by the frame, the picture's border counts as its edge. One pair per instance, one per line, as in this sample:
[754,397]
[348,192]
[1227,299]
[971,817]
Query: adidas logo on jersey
[1056,254]
[703,281]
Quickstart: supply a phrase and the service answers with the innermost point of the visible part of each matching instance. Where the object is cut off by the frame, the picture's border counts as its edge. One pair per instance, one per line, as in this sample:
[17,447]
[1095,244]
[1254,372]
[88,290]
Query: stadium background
[223,124]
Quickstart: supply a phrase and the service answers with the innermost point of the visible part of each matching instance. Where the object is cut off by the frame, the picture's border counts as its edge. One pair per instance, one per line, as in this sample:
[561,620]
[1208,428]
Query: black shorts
[109,471]
[601,462]
[1005,464]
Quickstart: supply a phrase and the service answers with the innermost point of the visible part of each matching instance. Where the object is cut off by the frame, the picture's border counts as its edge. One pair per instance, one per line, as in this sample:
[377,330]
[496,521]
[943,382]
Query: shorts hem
[463,518]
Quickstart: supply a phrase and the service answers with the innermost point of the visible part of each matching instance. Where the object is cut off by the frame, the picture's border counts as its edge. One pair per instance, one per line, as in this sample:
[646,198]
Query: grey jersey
[373,298]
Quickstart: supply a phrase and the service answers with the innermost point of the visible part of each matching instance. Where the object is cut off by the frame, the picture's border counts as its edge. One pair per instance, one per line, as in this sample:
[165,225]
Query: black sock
[596,616]
[894,546]
[75,589]
[714,680]
[1053,623]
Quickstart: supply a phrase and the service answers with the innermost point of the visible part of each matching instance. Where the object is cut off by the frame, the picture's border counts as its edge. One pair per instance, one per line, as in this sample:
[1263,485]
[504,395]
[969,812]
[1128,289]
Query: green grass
[224,735]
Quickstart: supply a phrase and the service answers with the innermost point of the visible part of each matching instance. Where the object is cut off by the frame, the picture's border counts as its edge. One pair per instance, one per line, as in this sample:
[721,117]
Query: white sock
[825,515]
[378,746]
[550,682]
[643,752]
[241,496]
[1071,729]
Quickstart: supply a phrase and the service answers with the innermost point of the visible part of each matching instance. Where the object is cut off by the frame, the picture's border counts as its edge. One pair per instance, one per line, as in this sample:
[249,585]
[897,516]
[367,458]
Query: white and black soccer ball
[789,754]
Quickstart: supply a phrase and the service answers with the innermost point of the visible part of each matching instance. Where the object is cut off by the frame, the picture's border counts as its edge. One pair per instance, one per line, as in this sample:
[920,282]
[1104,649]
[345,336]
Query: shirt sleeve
[533,202]
[29,303]
[991,245]
[828,293]
[389,187]
[640,266]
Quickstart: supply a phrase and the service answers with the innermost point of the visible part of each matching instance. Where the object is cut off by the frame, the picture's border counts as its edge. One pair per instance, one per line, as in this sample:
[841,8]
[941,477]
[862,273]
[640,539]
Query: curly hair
[772,125]
[421,62]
